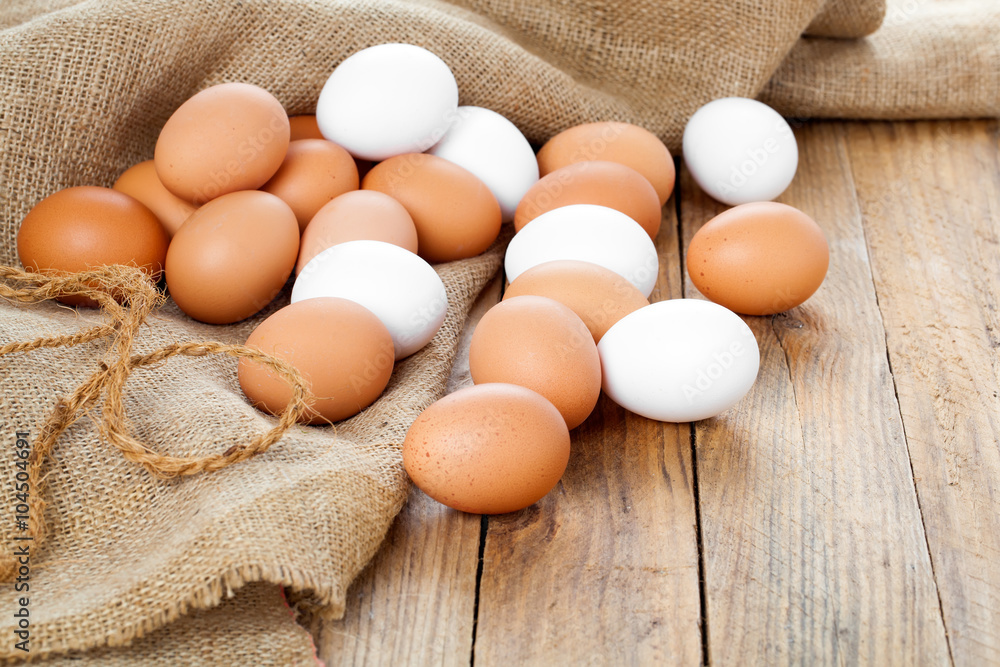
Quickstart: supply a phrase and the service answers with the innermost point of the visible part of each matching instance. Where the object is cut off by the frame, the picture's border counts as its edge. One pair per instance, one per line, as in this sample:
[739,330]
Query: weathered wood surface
[930,196]
[814,548]
[605,568]
[846,512]
[415,602]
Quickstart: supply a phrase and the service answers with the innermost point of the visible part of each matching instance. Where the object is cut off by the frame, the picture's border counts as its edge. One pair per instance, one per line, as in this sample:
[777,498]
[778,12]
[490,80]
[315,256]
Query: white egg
[740,150]
[492,148]
[589,233]
[403,290]
[388,100]
[679,360]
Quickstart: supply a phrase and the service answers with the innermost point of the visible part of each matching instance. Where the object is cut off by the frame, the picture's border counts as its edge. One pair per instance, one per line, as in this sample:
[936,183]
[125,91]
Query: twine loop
[126,296]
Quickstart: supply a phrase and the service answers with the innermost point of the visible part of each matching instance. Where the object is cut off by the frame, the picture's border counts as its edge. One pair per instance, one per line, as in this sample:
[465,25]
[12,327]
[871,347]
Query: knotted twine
[138,297]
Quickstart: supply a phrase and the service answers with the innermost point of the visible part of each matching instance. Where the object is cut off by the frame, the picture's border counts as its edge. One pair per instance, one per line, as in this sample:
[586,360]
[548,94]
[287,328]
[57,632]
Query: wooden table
[846,511]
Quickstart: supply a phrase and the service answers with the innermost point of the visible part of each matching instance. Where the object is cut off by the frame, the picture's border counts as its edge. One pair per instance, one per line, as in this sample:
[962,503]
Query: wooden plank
[415,603]
[604,569]
[813,543]
[930,197]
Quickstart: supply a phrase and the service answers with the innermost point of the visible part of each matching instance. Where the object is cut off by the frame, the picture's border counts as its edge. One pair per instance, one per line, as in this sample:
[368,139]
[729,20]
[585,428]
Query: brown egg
[599,296]
[342,349]
[759,258]
[226,138]
[357,216]
[456,215]
[539,343]
[86,227]
[631,145]
[304,127]
[232,256]
[142,183]
[487,449]
[594,182]
[314,172]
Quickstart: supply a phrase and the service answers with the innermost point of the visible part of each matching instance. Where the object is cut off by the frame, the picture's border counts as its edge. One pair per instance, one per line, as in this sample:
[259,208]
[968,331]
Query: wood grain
[848,508]
[813,543]
[603,570]
[930,197]
[415,603]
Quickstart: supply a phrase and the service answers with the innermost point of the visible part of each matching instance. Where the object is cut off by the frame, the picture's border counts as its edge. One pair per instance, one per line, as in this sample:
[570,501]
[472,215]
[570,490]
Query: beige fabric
[85,87]
[847,18]
[254,627]
[930,59]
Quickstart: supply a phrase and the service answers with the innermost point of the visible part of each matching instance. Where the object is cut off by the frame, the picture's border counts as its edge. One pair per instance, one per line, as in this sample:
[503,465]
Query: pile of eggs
[392,175]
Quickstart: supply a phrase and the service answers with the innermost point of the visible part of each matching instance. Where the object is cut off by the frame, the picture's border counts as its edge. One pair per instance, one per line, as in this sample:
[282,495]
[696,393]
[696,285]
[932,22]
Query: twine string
[126,297]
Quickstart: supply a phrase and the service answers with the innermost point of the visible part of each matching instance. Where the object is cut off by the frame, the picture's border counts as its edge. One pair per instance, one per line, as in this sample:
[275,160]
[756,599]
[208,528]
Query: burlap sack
[85,87]
[930,59]
[847,18]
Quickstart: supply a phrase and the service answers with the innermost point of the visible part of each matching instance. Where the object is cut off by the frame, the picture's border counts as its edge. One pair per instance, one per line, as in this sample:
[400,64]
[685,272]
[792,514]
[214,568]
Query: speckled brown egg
[314,172]
[357,216]
[455,214]
[487,449]
[85,227]
[631,145]
[539,343]
[599,296]
[141,182]
[759,258]
[593,182]
[342,350]
[306,127]
[226,138]
[232,256]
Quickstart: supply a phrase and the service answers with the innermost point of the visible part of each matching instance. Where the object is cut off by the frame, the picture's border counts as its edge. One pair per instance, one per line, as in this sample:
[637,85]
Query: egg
[342,350]
[87,227]
[759,258]
[679,360]
[306,127]
[487,449]
[628,144]
[492,148]
[539,343]
[226,138]
[303,127]
[388,100]
[403,291]
[313,173]
[740,150]
[232,256]
[600,297]
[593,182]
[357,216]
[455,214]
[589,233]
[142,183]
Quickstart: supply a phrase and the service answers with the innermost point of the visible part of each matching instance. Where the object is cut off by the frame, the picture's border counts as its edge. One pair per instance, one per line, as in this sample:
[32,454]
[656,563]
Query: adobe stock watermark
[756,157]
[373,369]
[423,316]
[406,163]
[247,151]
[594,149]
[717,367]
[22,541]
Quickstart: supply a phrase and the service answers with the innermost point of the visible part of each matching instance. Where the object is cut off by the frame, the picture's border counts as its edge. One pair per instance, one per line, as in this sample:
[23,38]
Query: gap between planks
[851,585]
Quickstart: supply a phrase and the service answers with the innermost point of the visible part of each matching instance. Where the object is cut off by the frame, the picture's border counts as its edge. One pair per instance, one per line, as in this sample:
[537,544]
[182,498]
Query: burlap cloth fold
[85,87]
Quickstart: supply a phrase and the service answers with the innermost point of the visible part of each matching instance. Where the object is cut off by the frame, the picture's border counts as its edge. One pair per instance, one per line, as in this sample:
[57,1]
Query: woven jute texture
[929,59]
[253,627]
[138,570]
